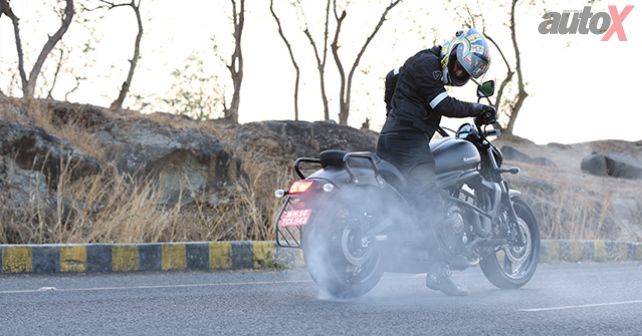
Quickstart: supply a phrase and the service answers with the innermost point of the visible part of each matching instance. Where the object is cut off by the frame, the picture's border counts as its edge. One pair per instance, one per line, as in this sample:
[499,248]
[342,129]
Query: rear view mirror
[486,89]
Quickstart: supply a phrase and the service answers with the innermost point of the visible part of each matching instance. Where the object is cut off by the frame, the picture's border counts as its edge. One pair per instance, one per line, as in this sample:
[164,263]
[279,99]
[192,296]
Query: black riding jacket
[416,98]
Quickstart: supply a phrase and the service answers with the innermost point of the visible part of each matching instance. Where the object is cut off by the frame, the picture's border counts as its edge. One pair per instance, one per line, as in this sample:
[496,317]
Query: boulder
[86,116]
[291,139]
[560,146]
[21,188]
[180,160]
[34,149]
[513,154]
[614,165]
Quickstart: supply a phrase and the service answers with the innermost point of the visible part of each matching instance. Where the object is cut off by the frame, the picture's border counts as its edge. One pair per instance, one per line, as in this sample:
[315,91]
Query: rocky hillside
[80,173]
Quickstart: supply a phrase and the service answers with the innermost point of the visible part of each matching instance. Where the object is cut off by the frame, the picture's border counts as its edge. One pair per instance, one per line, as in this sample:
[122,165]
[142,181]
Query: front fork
[513,227]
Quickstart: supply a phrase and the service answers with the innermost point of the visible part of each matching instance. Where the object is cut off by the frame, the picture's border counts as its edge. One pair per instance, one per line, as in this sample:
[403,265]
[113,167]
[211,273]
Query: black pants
[410,152]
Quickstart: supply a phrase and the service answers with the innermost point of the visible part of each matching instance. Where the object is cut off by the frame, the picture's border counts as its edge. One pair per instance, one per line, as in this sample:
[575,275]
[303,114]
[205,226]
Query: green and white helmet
[470,50]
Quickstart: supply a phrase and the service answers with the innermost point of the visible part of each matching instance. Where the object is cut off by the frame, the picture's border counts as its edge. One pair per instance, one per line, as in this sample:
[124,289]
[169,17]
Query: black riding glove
[484,114]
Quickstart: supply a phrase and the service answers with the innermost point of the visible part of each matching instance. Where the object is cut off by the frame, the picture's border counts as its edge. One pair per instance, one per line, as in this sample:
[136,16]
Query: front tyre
[342,260]
[511,267]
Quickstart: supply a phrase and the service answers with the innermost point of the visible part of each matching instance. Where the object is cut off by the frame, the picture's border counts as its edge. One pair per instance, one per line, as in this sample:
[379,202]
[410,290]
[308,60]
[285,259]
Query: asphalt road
[587,299]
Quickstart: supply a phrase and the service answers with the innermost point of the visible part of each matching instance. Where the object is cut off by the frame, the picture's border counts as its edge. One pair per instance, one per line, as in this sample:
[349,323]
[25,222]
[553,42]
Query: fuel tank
[454,154]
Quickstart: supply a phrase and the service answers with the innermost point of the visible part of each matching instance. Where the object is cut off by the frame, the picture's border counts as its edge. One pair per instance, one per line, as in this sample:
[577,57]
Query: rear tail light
[300,187]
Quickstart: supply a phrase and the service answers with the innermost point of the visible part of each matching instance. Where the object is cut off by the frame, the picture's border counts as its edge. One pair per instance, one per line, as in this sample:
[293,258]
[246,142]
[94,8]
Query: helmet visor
[475,64]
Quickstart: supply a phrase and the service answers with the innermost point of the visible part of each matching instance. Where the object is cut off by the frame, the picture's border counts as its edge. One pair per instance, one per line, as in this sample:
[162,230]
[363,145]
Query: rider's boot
[439,278]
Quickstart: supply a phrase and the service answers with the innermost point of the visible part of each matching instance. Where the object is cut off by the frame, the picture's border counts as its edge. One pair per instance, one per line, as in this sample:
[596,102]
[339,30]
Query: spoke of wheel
[507,264]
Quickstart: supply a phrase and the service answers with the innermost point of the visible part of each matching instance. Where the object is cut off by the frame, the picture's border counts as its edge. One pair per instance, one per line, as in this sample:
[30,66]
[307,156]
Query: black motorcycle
[353,220]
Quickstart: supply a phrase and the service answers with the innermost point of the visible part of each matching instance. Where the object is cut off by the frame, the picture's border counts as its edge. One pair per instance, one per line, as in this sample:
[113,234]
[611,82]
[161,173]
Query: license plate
[295,217]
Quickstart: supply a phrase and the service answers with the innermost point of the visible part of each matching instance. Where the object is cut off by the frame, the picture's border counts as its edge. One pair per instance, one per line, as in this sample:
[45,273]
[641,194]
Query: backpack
[391,83]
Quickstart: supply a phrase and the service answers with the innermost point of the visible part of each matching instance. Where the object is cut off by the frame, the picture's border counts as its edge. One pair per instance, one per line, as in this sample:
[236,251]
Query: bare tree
[117,104]
[516,105]
[6,9]
[294,62]
[29,83]
[513,104]
[235,67]
[472,21]
[321,58]
[345,88]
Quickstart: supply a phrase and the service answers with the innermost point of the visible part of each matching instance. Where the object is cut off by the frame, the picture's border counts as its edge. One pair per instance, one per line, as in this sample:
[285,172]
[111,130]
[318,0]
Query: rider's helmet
[468,50]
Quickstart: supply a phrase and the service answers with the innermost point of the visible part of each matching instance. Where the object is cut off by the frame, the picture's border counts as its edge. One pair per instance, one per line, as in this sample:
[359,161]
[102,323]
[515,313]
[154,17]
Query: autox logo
[585,21]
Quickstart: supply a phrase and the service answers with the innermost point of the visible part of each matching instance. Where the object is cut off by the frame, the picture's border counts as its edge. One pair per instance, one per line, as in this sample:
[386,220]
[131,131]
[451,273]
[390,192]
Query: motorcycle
[353,221]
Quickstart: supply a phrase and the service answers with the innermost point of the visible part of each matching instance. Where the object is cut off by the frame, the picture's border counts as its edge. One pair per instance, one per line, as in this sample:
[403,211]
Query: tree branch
[5,9]
[55,79]
[294,63]
[345,89]
[382,18]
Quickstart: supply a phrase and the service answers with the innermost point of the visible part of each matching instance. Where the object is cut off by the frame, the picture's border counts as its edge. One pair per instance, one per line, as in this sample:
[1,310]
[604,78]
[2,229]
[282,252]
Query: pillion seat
[334,158]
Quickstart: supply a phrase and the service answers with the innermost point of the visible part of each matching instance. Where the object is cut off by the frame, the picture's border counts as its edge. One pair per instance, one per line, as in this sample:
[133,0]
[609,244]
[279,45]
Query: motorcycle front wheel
[342,260]
[511,267]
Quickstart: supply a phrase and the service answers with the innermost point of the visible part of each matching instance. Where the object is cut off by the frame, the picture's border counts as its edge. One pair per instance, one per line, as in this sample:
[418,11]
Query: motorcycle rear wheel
[511,267]
[343,262]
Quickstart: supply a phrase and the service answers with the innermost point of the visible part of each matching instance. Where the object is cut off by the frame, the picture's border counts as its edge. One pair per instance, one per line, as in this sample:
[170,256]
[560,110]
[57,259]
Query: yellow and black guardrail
[234,255]
[91,258]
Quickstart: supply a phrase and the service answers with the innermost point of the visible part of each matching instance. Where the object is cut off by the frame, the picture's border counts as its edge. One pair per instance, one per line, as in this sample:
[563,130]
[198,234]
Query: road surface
[560,300]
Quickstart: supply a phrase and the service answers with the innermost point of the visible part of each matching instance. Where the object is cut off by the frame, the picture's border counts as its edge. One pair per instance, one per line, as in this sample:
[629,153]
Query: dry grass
[571,205]
[114,207]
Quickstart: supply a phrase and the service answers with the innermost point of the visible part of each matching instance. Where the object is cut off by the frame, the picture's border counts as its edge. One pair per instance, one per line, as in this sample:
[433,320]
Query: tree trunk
[294,63]
[522,94]
[124,89]
[343,111]
[29,90]
[321,61]
[345,90]
[21,59]
[235,67]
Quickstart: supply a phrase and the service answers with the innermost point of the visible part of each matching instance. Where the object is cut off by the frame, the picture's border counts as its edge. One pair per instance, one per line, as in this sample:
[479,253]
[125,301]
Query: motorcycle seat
[333,158]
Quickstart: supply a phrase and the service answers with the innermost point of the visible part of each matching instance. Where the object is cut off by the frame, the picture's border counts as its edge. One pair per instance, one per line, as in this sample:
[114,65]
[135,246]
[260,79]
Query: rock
[34,149]
[87,116]
[182,161]
[614,165]
[511,153]
[25,203]
[556,145]
[21,188]
[291,139]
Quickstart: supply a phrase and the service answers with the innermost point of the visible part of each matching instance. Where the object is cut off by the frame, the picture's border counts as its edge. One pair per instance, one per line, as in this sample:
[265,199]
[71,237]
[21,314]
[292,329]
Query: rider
[415,100]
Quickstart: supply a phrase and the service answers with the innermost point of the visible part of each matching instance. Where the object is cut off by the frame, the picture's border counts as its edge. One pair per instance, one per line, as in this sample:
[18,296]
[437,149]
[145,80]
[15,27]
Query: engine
[460,227]
[457,230]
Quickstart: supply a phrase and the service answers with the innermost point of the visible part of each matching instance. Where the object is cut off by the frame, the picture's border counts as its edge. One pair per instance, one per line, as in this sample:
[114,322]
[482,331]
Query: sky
[580,88]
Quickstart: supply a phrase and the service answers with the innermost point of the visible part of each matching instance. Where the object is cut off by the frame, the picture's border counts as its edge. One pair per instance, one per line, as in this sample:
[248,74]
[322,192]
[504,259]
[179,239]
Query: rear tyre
[341,259]
[511,267]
